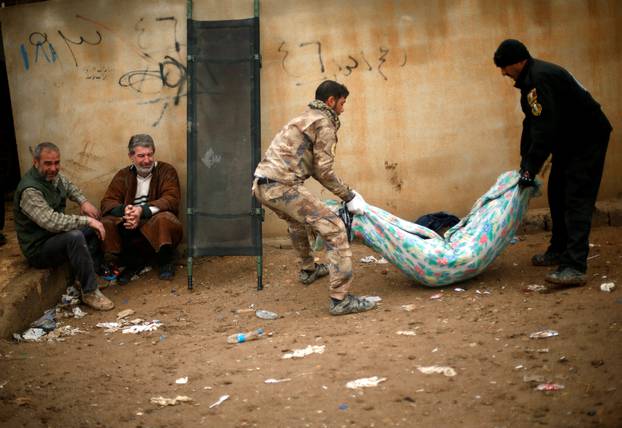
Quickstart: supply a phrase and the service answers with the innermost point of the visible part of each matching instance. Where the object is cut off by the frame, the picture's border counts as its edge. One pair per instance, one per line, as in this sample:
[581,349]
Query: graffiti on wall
[162,80]
[374,60]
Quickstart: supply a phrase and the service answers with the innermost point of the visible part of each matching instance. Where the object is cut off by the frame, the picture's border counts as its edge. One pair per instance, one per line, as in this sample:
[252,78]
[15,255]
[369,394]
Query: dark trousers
[572,191]
[137,251]
[75,247]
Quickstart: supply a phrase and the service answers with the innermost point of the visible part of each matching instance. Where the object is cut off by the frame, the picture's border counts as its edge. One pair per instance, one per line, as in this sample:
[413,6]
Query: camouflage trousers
[302,210]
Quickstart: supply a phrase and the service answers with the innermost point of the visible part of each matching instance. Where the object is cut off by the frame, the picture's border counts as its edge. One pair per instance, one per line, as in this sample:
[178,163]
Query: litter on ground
[300,353]
[219,401]
[447,371]
[607,286]
[276,380]
[366,382]
[543,334]
[162,401]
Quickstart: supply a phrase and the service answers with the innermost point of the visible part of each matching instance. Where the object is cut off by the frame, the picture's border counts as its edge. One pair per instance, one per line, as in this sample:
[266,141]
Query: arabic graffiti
[344,65]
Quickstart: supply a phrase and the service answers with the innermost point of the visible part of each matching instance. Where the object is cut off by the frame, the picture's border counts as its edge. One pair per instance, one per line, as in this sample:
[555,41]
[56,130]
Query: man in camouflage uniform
[306,147]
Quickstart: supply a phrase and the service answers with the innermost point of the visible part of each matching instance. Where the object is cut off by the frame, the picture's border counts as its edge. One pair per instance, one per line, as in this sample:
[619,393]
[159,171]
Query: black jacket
[561,117]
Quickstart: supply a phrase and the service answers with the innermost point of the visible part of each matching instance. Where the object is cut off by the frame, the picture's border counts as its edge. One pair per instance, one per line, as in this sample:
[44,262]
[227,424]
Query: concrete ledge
[606,213]
[27,295]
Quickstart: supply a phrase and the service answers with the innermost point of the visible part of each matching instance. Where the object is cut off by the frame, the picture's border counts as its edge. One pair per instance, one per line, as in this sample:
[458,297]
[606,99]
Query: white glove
[357,204]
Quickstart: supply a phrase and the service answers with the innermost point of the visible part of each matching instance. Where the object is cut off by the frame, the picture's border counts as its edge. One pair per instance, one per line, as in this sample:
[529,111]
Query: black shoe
[2,239]
[567,276]
[167,271]
[128,273]
[546,259]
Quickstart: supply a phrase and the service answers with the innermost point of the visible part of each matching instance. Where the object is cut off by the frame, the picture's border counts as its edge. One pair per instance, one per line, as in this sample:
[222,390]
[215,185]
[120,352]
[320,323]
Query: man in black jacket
[563,120]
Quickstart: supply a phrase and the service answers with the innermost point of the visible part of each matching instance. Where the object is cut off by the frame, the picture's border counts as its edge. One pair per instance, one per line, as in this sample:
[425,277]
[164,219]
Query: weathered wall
[87,75]
[430,121]
[428,126]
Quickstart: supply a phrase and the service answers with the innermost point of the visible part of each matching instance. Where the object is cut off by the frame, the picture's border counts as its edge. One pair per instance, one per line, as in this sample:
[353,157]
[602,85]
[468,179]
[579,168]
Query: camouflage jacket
[304,148]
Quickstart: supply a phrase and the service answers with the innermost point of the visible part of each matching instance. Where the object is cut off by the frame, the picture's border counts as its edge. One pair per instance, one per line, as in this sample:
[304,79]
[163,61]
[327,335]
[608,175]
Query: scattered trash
[276,380]
[78,313]
[518,367]
[3,383]
[459,290]
[549,387]
[543,334]
[513,241]
[447,371]
[125,313]
[300,353]
[71,297]
[374,299]
[181,380]
[406,333]
[482,292]
[62,332]
[220,401]
[409,308]
[436,296]
[140,328]
[245,337]
[607,286]
[266,315]
[132,327]
[33,334]
[382,261]
[366,382]
[372,259]
[47,322]
[593,257]
[343,406]
[536,288]
[251,308]
[161,401]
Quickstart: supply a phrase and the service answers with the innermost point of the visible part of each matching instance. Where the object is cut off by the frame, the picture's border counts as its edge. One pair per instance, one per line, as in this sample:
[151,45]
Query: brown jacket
[164,193]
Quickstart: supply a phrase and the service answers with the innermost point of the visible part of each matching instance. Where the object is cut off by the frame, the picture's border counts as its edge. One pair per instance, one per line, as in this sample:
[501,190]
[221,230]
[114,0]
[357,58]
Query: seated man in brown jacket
[140,211]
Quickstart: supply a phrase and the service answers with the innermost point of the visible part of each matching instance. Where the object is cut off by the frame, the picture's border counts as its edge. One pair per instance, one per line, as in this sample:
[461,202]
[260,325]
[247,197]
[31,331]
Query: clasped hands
[131,216]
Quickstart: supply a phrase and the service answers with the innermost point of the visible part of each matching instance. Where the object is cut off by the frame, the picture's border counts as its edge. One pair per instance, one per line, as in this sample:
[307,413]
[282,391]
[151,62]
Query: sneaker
[167,272]
[546,259]
[97,301]
[567,276]
[350,305]
[309,276]
[128,273]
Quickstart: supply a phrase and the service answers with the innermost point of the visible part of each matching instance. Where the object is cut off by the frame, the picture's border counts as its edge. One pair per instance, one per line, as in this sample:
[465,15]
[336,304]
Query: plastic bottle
[245,337]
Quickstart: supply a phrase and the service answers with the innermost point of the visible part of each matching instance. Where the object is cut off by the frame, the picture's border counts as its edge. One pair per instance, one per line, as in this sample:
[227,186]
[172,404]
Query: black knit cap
[510,52]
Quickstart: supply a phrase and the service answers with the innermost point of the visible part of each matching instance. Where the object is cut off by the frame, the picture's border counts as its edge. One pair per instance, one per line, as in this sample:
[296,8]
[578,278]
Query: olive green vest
[29,234]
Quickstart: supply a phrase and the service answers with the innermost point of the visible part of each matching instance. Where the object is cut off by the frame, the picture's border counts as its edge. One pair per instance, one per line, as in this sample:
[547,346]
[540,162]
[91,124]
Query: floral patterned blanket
[464,251]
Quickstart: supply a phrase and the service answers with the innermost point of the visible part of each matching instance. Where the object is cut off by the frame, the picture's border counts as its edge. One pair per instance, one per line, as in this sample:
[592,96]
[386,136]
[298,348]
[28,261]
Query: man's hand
[98,226]
[88,209]
[357,204]
[526,179]
[132,216]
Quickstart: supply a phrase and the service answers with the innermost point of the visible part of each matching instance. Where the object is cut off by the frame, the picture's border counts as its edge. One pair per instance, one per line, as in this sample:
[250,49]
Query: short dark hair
[510,51]
[330,88]
[46,145]
[140,140]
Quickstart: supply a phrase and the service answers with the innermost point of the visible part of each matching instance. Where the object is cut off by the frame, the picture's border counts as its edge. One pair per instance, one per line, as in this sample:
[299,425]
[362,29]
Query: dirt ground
[107,379]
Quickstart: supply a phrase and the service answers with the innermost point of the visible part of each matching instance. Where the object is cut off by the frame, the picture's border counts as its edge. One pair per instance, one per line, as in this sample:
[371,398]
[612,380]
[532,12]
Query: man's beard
[144,171]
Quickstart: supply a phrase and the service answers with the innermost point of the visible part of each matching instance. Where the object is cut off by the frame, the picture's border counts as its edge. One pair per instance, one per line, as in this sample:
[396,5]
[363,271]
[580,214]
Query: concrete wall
[430,121]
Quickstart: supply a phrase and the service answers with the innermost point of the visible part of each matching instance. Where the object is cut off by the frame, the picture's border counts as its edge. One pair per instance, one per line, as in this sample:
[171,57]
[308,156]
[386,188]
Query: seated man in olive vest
[140,209]
[47,236]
